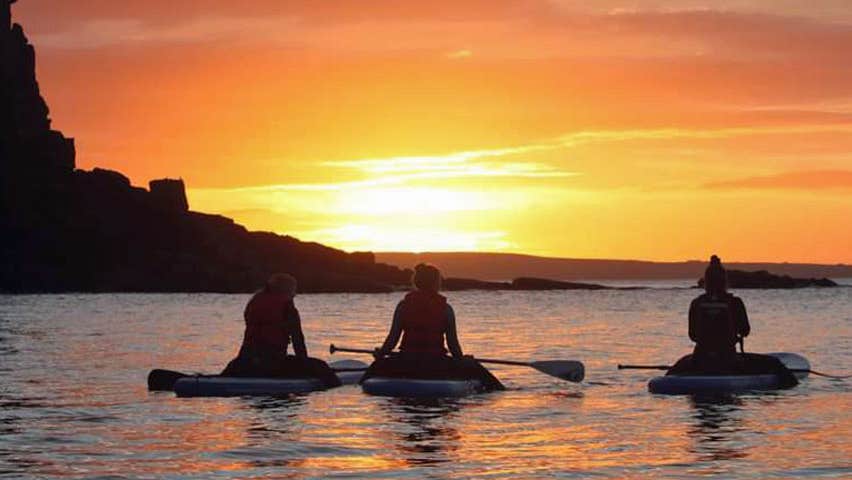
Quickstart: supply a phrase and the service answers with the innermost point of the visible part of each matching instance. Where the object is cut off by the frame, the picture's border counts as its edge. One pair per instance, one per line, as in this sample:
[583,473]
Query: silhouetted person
[424,320]
[272,322]
[717,321]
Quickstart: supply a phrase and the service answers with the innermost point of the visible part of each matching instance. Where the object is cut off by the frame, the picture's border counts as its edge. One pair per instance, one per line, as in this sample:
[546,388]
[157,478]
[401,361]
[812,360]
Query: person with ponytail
[717,321]
[426,325]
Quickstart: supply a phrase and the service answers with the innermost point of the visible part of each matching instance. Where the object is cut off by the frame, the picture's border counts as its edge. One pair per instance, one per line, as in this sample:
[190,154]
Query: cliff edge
[65,229]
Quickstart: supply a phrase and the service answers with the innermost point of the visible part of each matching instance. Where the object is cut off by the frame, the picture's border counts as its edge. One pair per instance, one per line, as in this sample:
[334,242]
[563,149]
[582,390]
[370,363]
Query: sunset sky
[658,129]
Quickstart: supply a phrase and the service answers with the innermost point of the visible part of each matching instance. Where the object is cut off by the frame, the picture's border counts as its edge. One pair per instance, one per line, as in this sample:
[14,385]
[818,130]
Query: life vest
[266,321]
[423,316]
[716,326]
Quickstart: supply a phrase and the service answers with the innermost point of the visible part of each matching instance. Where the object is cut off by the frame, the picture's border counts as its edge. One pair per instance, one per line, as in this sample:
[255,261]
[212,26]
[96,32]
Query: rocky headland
[764,279]
[66,229]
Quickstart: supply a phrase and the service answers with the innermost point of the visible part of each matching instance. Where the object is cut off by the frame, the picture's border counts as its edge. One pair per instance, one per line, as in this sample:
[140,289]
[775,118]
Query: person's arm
[393,335]
[693,322]
[296,335]
[743,327]
[452,335]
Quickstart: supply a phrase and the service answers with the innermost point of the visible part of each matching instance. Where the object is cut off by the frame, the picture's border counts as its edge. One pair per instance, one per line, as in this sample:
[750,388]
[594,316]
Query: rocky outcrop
[764,279]
[73,230]
[522,283]
[6,15]
[169,194]
[26,134]
[458,284]
[529,283]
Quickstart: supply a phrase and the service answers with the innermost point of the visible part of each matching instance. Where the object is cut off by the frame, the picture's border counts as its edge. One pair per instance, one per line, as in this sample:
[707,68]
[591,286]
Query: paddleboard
[219,386]
[697,384]
[420,388]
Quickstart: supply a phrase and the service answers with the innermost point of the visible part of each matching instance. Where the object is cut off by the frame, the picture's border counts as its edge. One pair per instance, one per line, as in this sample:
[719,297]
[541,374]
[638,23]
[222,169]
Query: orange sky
[659,129]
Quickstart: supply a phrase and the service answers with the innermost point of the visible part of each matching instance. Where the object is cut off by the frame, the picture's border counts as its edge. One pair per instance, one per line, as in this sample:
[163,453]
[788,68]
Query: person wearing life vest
[717,321]
[426,325]
[272,323]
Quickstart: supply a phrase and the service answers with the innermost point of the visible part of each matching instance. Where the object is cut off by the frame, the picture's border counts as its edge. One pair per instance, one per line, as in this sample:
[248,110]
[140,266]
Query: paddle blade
[161,380]
[570,370]
[349,371]
[347,365]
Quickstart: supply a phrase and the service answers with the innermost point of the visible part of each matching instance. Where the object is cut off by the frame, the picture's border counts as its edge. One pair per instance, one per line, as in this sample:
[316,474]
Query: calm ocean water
[74,404]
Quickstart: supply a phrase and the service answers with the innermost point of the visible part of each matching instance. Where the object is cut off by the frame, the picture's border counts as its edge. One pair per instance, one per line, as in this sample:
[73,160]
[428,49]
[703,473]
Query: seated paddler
[717,323]
[272,323]
[424,326]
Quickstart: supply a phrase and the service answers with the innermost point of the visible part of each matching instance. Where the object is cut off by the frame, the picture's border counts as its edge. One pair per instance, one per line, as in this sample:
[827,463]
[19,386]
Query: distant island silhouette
[499,267]
[71,230]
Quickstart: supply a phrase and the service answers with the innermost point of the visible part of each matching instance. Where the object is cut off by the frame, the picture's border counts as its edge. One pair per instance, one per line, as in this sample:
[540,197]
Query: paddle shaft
[820,374]
[643,367]
[504,362]
[333,349]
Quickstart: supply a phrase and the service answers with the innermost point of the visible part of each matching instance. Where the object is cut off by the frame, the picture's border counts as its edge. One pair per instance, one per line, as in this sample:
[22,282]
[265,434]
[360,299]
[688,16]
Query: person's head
[715,277]
[426,277]
[281,283]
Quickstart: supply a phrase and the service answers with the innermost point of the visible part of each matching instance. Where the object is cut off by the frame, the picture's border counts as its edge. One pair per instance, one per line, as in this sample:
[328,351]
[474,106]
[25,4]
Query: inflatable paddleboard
[219,386]
[704,384]
[420,388]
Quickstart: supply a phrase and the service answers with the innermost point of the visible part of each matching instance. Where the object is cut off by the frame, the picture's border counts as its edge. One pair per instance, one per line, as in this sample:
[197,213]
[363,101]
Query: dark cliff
[65,229]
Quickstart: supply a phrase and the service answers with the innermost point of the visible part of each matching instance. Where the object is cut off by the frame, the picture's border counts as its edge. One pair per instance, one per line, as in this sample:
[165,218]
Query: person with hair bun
[426,325]
[717,321]
[272,323]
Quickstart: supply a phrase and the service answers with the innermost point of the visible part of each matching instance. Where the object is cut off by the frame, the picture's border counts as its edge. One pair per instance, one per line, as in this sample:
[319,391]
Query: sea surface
[74,404]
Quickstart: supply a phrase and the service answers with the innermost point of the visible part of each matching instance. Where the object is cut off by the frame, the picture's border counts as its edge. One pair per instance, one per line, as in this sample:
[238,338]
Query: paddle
[570,370]
[161,380]
[794,370]
[644,367]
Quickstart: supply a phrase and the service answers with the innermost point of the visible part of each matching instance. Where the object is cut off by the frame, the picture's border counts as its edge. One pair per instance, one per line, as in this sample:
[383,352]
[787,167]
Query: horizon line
[598,259]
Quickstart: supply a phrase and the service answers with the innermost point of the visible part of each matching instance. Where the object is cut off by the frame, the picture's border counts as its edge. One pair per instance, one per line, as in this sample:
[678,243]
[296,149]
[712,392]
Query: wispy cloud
[106,32]
[460,54]
[585,137]
[487,163]
[353,236]
[804,180]
[466,164]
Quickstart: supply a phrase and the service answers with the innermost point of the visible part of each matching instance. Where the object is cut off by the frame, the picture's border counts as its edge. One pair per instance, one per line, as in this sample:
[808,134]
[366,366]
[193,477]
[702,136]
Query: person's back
[266,317]
[717,321]
[424,319]
[272,323]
